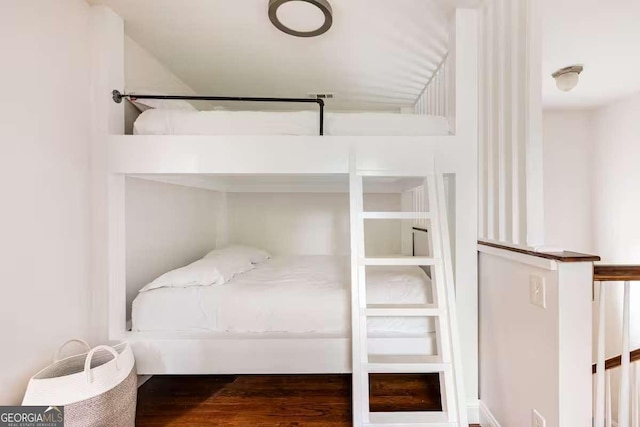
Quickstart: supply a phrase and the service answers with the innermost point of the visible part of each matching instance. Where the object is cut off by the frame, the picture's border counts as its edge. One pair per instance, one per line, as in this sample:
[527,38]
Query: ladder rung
[396,215]
[387,173]
[412,364]
[402,310]
[399,260]
[401,419]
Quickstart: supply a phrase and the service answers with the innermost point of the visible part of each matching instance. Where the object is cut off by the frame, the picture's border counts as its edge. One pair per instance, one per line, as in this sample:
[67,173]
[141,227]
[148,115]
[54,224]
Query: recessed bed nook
[266,259]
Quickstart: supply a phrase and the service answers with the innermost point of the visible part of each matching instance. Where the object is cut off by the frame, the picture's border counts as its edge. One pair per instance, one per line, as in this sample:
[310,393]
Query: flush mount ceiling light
[301,18]
[567,77]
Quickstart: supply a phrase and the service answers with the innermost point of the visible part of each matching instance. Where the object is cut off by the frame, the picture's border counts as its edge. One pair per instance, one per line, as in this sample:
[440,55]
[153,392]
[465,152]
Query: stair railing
[627,363]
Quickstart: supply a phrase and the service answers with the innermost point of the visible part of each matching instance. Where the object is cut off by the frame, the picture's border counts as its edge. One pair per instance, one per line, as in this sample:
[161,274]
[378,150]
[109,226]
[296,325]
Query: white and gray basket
[96,388]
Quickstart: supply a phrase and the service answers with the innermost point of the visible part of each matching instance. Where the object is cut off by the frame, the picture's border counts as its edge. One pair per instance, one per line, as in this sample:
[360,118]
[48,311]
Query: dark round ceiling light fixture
[301,18]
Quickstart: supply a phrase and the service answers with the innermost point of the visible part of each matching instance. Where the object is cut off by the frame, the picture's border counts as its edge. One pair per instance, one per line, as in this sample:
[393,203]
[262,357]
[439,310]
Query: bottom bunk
[238,309]
[287,314]
[285,294]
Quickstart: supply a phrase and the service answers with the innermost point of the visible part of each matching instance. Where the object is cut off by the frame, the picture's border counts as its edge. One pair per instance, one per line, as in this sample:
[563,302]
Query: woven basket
[97,388]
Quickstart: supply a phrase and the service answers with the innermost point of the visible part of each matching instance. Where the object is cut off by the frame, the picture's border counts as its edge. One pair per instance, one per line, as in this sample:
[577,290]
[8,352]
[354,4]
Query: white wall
[568,169]
[530,357]
[44,180]
[144,73]
[306,223]
[168,226]
[616,182]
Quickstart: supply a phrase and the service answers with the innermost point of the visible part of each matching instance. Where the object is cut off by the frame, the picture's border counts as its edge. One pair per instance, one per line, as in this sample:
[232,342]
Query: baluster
[432,91]
[600,372]
[635,410]
[593,397]
[445,88]
[623,400]
[440,94]
[609,417]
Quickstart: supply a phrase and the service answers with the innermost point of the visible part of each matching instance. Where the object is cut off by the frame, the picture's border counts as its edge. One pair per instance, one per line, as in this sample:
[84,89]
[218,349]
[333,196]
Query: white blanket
[178,122]
[302,294]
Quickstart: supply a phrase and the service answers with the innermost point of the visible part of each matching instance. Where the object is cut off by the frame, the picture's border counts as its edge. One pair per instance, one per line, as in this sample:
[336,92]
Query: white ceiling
[604,36]
[378,55]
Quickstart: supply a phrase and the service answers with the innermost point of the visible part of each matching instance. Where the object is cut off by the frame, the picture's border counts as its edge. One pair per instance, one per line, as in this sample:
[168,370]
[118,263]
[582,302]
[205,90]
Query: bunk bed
[191,143]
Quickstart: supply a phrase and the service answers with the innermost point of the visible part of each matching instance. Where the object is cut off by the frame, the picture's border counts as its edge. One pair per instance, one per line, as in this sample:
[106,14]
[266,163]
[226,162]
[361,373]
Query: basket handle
[87,361]
[56,357]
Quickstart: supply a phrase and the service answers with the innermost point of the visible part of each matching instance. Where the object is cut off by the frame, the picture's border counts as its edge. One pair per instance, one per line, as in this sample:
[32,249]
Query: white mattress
[178,122]
[303,294]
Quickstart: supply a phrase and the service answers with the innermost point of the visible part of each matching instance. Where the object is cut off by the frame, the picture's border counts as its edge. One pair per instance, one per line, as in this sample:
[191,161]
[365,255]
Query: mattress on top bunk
[179,122]
[300,294]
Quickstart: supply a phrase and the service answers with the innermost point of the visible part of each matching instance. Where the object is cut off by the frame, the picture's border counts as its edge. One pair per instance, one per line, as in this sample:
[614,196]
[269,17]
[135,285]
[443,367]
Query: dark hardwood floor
[275,400]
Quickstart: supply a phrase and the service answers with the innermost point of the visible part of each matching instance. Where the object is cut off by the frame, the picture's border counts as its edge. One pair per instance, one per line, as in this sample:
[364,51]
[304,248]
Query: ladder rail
[360,379]
[443,334]
[451,301]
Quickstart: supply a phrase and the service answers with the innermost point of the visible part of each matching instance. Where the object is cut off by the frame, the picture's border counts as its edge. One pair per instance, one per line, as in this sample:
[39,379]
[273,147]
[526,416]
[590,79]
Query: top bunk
[148,131]
[160,114]
[299,123]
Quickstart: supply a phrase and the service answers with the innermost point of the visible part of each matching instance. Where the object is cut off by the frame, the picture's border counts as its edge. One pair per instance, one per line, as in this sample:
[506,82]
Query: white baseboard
[473,411]
[143,379]
[486,417]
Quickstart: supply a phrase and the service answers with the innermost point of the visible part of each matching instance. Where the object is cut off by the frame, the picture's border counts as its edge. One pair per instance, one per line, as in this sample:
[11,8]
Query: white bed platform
[454,154]
[178,122]
[284,301]
[215,353]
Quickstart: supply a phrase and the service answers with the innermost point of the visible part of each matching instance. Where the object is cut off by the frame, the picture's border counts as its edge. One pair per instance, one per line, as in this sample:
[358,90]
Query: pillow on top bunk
[200,273]
[255,255]
[159,104]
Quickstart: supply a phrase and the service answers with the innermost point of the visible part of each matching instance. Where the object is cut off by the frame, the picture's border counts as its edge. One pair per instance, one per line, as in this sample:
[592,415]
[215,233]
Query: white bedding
[303,294]
[179,122]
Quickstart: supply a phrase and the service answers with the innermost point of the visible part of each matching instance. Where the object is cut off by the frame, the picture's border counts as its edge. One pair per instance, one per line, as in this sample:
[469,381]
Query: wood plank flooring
[275,400]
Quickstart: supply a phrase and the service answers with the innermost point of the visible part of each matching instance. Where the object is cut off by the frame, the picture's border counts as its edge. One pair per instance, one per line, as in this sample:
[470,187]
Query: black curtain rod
[117,98]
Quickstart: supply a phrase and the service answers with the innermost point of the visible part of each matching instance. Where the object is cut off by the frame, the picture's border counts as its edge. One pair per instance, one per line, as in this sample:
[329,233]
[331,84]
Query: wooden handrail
[564,256]
[616,361]
[613,273]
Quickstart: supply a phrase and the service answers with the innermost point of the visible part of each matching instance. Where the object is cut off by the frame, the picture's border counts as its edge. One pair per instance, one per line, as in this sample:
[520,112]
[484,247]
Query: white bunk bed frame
[452,91]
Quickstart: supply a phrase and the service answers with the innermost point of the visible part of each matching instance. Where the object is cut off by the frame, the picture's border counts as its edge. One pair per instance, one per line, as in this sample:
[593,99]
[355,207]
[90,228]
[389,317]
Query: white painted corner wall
[144,73]
[167,226]
[45,129]
[107,118]
[533,357]
[309,223]
[569,145]
[616,199]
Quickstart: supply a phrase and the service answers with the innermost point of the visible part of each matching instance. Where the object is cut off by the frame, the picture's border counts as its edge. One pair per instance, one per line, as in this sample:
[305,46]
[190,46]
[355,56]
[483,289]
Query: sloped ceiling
[378,55]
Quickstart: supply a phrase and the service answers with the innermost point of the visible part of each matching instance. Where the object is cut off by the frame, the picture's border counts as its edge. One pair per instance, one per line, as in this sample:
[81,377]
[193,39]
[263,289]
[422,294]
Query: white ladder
[447,363]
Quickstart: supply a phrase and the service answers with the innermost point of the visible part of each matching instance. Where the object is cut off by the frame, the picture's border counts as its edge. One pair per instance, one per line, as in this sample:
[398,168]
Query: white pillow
[203,272]
[255,255]
[229,264]
[160,104]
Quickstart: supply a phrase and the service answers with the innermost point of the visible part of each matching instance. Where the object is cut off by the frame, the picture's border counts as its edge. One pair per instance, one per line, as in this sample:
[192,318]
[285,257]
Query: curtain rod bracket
[117,96]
